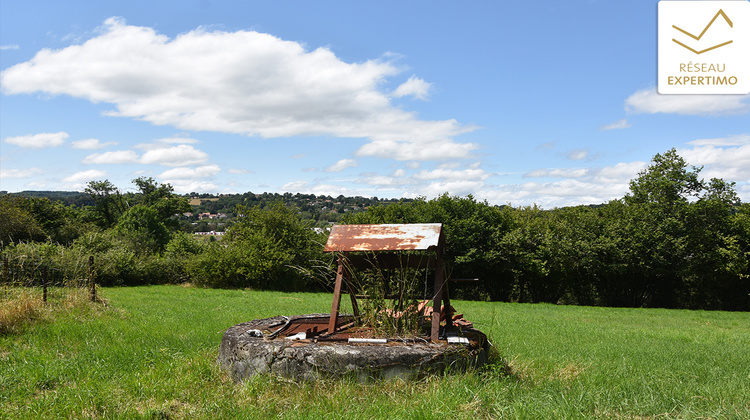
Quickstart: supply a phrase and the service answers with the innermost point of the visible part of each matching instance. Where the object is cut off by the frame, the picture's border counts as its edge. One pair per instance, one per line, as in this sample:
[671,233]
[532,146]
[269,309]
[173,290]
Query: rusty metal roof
[402,237]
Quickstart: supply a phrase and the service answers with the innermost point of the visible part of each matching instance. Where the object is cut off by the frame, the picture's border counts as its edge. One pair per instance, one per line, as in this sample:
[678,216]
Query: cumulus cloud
[413,87]
[449,175]
[191,173]
[649,101]
[180,155]
[242,82]
[556,173]
[39,141]
[19,173]
[576,186]
[85,176]
[116,157]
[729,163]
[90,144]
[185,186]
[304,187]
[617,125]
[737,140]
[341,165]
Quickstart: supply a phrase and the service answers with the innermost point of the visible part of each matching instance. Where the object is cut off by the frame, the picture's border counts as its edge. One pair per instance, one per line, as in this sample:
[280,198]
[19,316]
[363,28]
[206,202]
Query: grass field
[151,353]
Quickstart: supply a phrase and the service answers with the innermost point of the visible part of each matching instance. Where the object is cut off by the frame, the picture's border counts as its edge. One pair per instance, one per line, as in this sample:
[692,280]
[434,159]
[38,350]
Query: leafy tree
[666,182]
[143,227]
[161,198]
[110,203]
[18,223]
[268,248]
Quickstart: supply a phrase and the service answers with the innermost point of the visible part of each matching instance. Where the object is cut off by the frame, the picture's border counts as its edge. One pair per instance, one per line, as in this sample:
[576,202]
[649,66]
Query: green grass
[152,354]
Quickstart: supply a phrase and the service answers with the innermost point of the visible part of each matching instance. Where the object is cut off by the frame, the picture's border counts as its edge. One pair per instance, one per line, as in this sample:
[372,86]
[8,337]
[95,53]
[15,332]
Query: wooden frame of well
[383,238]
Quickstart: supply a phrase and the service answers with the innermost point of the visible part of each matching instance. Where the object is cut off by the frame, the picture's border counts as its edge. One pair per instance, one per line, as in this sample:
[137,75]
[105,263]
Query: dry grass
[18,306]
[21,306]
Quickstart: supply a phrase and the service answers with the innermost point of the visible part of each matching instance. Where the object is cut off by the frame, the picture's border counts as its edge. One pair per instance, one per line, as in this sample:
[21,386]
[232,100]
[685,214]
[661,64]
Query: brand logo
[717,60]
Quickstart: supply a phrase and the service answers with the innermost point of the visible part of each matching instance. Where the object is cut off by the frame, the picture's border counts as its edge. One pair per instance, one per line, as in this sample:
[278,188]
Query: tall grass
[152,354]
[22,306]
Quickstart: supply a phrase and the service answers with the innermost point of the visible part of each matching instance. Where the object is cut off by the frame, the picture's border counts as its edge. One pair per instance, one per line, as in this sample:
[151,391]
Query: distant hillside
[69,198]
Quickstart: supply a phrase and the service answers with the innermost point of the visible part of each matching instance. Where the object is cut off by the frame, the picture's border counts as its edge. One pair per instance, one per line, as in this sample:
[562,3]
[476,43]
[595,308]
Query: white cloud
[191,173]
[85,176]
[413,87]
[238,82]
[116,157]
[617,125]
[381,181]
[183,186]
[556,173]
[341,165]
[454,187]
[9,47]
[576,186]
[178,140]
[421,149]
[318,189]
[453,175]
[238,171]
[38,141]
[648,101]
[19,173]
[90,144]
[730,163]
[737,140]
[180,155]
[578,154]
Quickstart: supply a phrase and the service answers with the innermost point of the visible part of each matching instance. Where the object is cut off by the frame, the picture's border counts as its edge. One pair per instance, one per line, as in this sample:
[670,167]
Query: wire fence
[36,272]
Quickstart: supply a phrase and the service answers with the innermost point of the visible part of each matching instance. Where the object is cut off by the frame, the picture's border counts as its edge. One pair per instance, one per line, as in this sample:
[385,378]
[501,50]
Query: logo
[698,38]
[717,60]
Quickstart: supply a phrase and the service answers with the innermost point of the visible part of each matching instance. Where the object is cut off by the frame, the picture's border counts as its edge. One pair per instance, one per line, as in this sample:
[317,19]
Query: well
[314,346]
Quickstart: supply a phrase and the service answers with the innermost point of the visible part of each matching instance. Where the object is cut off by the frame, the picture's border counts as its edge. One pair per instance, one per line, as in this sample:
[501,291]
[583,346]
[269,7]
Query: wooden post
[440,298]
[336,297]
[91,279]
[5,269]
[44,285]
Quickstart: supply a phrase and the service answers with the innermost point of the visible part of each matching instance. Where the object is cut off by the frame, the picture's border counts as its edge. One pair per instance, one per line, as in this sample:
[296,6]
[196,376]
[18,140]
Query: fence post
[44,284]
[91,278]
[5,269]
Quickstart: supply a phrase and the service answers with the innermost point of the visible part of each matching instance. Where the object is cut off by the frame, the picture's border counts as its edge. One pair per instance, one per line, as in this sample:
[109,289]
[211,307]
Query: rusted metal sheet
[403,237]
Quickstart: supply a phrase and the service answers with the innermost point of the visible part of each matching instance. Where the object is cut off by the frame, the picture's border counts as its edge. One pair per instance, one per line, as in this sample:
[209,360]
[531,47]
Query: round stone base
[247,349]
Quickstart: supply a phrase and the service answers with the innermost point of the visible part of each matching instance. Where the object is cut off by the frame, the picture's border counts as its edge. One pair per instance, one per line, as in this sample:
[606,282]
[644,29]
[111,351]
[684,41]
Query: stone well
[260,347]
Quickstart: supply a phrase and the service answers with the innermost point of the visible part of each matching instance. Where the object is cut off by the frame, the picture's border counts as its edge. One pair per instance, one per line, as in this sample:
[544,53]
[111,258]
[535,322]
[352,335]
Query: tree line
[675,241]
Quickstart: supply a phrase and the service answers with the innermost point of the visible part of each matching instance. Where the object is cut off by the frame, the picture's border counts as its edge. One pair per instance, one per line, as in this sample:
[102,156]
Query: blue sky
[551,103]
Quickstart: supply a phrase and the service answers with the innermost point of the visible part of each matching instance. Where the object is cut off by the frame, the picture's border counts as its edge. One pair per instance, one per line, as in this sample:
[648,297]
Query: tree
[110,203]
[265,249]
[161,198]
[685,242]
[665,182]
[18,223]
[143,227]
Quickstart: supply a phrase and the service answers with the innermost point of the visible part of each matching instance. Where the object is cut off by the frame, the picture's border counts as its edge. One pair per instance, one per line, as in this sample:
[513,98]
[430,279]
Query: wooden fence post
[91,278]
[44,284]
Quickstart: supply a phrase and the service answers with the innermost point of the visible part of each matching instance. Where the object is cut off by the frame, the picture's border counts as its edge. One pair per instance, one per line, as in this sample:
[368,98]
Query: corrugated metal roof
[386,237]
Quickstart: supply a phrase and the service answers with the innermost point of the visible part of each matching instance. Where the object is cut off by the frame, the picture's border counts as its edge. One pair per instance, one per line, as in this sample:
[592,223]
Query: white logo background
[721,70]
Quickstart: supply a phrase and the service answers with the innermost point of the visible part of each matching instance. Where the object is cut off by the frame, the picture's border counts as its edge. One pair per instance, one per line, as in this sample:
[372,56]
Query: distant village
[213,214]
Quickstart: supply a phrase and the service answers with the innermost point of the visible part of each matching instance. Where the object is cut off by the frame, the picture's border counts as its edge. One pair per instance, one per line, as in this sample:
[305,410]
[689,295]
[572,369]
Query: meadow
[150,352]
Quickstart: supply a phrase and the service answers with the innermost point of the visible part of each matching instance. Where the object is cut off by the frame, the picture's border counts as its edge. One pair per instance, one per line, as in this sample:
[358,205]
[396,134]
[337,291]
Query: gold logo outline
[698,38]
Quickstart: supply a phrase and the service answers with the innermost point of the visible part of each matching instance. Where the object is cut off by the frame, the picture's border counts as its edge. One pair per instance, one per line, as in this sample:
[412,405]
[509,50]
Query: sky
[552,103]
